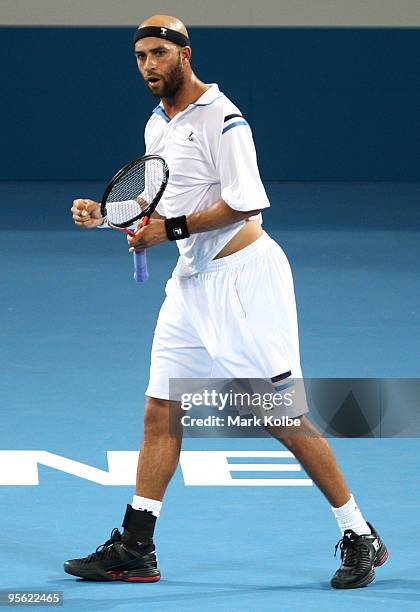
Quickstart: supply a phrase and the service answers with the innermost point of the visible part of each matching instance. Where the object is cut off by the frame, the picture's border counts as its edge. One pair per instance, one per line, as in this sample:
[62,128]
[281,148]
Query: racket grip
[141,273]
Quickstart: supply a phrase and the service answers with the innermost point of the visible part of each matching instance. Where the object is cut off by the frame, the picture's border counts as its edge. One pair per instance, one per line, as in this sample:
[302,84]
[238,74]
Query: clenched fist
[86,213]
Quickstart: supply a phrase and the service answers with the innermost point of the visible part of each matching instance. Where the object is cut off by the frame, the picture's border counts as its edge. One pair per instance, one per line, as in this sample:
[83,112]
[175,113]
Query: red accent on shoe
[123,576]
[382,560]
[115,575]
[147,579]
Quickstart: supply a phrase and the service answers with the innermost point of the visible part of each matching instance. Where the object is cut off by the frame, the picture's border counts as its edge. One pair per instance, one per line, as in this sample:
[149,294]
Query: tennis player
[229,310]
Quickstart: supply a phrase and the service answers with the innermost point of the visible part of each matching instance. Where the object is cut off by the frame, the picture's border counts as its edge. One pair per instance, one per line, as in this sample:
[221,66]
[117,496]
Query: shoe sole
[98,576]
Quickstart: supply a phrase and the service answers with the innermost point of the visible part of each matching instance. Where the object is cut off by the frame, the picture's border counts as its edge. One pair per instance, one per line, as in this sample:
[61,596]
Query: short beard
[173,82]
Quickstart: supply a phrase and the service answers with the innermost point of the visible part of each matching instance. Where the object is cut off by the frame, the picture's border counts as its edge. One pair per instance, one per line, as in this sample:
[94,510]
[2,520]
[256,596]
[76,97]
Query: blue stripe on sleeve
[232,125]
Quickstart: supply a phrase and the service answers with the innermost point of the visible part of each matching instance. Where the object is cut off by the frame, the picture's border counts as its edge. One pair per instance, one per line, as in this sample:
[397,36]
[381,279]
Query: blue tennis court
[68,392]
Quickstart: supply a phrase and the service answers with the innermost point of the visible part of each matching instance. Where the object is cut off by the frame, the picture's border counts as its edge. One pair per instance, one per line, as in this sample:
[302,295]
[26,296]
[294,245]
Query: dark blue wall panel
[324,104]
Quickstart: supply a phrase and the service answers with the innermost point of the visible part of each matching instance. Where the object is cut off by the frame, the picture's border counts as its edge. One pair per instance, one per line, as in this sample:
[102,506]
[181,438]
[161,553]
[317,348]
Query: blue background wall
[324,104]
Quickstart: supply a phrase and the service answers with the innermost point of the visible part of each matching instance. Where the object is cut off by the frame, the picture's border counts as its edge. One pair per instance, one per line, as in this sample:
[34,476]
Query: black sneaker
[360,554]
[129,557]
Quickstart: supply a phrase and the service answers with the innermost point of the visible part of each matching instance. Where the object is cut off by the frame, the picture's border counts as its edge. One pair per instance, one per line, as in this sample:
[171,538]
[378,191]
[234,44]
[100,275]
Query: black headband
[165,33]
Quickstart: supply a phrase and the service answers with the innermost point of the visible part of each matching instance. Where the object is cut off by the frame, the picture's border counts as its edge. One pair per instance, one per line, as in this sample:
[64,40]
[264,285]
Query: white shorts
[236,319]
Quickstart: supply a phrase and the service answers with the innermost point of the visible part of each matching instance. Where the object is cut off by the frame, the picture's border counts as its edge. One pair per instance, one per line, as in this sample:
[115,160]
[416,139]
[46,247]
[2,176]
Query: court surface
[75,338]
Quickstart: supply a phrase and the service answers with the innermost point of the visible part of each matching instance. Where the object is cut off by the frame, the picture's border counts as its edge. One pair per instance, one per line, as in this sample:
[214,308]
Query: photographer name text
[238,421]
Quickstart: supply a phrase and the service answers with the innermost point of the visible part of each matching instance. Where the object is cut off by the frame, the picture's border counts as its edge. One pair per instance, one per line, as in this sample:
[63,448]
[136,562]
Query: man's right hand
[86,213]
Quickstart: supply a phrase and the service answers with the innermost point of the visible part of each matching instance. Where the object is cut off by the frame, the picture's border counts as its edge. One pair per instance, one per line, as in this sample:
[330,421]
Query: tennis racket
[132,195]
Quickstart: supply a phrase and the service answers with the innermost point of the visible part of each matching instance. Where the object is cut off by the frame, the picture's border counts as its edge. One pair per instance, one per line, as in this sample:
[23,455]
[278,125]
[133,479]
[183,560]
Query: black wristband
[176,228]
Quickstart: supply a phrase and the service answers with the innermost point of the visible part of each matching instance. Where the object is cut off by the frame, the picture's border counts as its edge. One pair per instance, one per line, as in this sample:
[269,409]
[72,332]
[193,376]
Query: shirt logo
[190,137]
[163,31]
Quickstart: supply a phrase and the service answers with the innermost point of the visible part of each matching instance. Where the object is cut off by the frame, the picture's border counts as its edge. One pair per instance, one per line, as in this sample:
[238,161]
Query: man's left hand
[148,236]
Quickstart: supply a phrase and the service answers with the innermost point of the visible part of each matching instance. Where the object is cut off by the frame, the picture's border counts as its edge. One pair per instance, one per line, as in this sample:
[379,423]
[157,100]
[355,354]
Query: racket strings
[135,191]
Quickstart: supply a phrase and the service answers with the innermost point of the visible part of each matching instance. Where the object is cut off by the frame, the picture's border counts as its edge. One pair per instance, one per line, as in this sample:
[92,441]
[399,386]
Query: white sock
[350,517]
[148,505]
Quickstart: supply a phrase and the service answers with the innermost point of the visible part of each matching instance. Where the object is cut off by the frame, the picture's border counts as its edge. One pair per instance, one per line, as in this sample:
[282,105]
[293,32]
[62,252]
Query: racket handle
[141,273]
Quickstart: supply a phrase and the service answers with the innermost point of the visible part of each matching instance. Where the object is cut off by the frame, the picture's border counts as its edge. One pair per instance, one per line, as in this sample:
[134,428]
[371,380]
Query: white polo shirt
[211,155]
